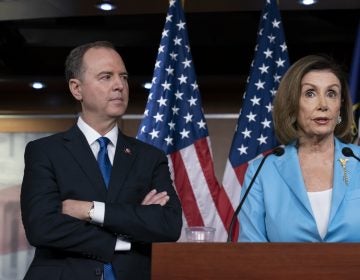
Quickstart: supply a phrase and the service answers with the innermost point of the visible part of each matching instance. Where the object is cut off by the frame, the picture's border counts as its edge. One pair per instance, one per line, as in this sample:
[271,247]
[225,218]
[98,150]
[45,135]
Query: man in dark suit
[86,224]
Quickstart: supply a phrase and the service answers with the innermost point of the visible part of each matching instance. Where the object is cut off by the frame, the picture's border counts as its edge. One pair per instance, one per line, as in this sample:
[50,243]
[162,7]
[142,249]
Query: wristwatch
[91,212]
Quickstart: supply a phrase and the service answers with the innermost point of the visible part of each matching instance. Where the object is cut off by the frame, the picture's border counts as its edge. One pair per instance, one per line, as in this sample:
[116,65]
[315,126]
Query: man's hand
[77,208]
[153,197]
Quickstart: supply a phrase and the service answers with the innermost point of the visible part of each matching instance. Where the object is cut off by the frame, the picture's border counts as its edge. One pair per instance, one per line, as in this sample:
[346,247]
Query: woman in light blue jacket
[311,193]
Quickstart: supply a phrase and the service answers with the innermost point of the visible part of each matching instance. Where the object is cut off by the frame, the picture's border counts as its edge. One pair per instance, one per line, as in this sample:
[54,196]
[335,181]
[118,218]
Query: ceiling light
[147,85]
[307,2]
[37,85]
[106,5]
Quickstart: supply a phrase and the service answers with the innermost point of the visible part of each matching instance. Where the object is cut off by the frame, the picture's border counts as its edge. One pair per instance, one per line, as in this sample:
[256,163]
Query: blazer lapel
[125,155]
[289,169]
[342,178]
[76,143]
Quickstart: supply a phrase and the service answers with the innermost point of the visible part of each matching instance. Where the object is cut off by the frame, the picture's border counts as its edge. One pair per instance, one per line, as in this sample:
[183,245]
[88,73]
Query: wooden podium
[265,261]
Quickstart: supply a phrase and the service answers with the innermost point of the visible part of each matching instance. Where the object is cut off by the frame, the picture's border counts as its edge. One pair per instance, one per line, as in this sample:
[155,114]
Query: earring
[339,119]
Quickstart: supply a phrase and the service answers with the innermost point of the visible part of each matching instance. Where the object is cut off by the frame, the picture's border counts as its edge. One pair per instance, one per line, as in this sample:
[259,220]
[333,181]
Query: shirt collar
[92,135]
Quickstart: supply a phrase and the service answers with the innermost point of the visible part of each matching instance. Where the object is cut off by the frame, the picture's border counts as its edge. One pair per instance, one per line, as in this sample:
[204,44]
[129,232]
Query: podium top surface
[256,261]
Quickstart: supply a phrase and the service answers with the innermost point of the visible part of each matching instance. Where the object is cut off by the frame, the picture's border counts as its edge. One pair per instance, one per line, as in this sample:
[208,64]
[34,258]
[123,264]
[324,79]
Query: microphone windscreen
[347,152]
[278,151]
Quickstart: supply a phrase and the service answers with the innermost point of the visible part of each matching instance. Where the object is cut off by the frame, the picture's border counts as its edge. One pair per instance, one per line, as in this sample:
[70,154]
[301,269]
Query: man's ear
[75,88]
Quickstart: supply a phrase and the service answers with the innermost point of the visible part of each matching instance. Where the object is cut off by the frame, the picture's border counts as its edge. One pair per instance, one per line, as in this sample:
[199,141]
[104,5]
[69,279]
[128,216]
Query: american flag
[254,135]
[174,122]
[355,85]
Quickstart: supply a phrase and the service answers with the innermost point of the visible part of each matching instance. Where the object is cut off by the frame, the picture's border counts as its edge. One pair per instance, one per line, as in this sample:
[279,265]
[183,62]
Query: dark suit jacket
[62,166]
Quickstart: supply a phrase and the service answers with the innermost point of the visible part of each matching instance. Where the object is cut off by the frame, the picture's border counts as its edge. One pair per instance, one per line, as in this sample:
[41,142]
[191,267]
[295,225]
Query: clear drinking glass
[200,234]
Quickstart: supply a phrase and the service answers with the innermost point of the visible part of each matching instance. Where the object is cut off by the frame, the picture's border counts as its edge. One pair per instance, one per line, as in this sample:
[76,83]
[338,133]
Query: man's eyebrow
[104,72]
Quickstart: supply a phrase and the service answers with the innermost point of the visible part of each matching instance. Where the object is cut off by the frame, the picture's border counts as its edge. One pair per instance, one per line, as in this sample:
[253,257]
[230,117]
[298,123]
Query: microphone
[346,151]
[278,151]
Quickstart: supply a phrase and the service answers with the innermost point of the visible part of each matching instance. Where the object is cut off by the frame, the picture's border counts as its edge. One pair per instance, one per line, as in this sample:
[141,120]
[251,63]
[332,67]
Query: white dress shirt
[91,136]
[321,205]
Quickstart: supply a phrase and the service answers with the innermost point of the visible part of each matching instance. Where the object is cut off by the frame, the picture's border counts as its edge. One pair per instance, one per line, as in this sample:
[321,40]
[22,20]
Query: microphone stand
[279,151]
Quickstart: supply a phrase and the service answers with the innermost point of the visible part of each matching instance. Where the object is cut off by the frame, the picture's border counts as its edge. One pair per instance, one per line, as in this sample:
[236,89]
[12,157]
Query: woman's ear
[75,88]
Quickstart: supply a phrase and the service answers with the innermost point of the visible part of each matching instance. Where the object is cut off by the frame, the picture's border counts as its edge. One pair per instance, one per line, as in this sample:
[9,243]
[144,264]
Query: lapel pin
[343,162]
[127,151]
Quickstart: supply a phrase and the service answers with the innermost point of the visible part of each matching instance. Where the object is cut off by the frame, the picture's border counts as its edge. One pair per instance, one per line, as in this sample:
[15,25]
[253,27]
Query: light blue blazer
[277,208]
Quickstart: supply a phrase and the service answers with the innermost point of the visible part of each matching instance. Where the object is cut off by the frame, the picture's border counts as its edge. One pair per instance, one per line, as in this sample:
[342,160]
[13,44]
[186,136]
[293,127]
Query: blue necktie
[105,167]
